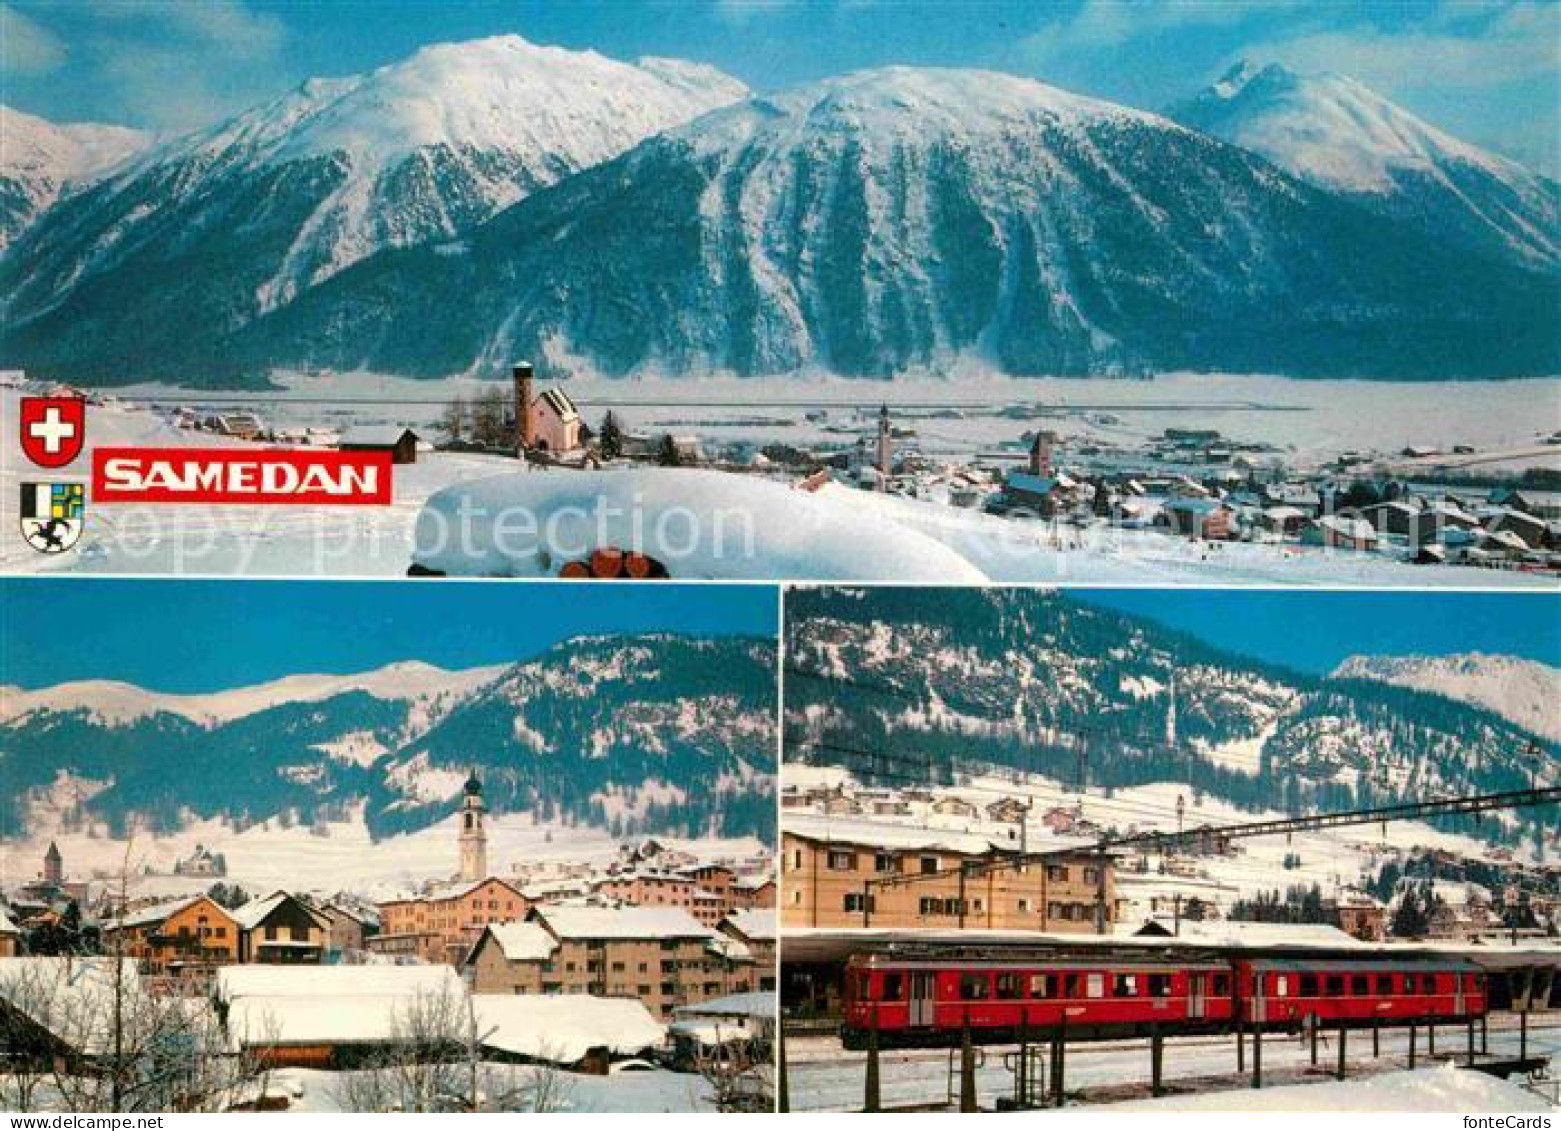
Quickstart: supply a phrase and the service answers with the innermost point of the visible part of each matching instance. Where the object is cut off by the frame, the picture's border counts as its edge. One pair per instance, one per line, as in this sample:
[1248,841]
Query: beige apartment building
[443,924]
[659,955]
[832,870]
[708,892]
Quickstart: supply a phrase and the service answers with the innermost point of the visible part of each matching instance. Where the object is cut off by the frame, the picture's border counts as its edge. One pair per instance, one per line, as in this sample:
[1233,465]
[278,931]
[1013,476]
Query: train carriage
[922,1003]
[1279,993]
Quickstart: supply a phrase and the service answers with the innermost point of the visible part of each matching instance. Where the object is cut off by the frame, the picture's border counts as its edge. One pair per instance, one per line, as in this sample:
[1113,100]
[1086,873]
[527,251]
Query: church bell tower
[474,837]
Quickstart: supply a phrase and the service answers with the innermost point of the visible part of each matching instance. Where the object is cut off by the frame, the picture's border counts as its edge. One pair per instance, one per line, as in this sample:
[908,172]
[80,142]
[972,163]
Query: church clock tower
[474,837]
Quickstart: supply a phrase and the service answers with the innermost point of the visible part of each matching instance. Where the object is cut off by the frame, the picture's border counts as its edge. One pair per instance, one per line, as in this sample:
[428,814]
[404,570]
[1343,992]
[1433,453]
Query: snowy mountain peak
[71,151]
[1525,692]
[116,703]
[40,159]
[1338,133]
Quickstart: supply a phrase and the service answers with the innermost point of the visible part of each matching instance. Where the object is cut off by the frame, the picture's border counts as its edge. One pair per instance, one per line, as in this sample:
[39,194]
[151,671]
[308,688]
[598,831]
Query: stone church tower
[474,837]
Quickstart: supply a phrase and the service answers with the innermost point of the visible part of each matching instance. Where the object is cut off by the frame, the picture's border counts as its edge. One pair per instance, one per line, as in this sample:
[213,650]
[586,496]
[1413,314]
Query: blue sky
[187,636]
[1486,71]
[1313,630]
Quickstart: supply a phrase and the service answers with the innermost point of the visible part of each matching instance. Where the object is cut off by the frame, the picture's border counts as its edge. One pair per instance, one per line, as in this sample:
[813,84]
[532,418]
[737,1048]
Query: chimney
[525,436]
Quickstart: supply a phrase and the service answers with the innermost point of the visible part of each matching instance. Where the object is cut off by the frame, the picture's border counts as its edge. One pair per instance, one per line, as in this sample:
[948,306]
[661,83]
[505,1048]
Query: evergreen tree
[611,436]
[667,452]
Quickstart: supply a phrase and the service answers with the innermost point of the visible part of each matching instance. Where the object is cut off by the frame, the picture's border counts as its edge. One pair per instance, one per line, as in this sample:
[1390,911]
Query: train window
[1221,985]
[1281,985]
[974,987]
[1095,985]
[1124,985]
[893,987]
[1428,984]
[1360,985]
[1333,985]
[1070,987]
[1384,983]
[1043,985]
[1159,985]
[1308,985]
[1010,987]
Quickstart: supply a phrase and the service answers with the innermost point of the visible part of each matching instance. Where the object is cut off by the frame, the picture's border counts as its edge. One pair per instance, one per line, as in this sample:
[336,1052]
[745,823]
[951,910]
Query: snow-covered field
[823,1077]
[1306,421]
[326,858]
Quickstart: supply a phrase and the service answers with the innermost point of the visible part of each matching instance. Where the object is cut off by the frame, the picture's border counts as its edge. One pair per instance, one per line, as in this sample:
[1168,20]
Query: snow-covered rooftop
[884,834]
[70,997]
[522,942]
[563,1028]
[622,923]
[328,1004]
[758,923]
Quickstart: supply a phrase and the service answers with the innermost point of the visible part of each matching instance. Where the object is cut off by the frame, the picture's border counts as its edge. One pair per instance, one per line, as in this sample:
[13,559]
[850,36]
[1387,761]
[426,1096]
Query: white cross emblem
[53,430]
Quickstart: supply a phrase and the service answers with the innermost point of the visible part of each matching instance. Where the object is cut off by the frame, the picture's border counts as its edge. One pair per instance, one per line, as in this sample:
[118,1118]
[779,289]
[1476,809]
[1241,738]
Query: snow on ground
[1447,1088]
[822,1076]
[326,857]
[839,533]
[650,1091]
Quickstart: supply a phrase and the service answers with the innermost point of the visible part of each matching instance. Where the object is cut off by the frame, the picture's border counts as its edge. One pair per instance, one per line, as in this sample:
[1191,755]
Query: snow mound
[699,524]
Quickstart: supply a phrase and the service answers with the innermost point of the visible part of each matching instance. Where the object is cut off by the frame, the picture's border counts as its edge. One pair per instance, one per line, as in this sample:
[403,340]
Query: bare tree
[739,1069]
[453,421]
[489,420]
[423,1066]
[87,1034]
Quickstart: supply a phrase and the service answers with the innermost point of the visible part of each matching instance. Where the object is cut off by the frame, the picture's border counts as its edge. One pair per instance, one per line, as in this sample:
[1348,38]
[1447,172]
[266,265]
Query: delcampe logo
[218,475]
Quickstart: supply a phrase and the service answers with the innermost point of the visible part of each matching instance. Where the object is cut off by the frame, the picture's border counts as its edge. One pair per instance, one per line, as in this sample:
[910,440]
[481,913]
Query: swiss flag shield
[53,429]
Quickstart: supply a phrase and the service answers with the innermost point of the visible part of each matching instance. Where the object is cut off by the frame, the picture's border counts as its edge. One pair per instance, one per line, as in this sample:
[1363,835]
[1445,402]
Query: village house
[202,862]
[10,936]
[239,425]
[1339,532]
[830,869]
[1204,519]
[442,924]
[758,931]
[1360,916]
[400,442]
[281,929]
[660,955]
[326,1017]
[346,931]
[180,938]
[1008,811]
[950,806]
[1532,530]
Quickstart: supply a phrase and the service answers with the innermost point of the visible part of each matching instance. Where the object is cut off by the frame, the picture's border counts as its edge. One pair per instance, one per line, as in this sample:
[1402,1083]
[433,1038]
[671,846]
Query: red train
[926,1002]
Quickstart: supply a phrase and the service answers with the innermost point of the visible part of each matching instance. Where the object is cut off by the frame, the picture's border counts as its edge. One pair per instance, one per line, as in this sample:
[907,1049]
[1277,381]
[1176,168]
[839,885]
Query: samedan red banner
[227,475]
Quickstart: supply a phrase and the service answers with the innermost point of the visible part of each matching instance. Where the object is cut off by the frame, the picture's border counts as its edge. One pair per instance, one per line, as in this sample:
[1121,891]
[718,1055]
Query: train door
[1197,996]
[1460,1000]
[923,999]
[1259,997]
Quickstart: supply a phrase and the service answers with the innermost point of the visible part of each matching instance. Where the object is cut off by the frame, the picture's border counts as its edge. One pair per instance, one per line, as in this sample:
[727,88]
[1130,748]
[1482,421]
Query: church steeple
[474,837]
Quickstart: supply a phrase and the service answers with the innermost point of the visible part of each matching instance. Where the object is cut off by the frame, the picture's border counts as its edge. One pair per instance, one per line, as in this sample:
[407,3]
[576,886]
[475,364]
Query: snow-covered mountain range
[485,201]
[1046,682]
[655,733]
[227,223]
[1525,692]
[1336,132]
[39,160]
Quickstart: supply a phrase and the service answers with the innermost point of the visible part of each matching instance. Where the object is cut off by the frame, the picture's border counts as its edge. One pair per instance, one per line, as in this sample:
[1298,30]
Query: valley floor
[1303,422]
